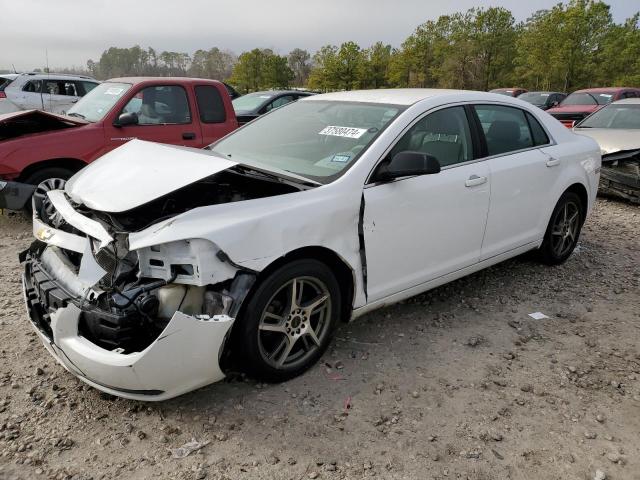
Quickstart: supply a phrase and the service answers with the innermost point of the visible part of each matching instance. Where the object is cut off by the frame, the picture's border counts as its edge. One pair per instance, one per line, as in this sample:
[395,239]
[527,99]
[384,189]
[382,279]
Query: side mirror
[406,164]
[129,118]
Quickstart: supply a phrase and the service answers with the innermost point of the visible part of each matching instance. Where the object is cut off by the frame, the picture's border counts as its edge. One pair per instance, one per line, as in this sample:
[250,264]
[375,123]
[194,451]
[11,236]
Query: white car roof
[633,101]
[395,96]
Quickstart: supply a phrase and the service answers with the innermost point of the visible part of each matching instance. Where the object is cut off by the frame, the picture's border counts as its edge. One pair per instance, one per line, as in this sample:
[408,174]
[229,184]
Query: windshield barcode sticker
[348,132]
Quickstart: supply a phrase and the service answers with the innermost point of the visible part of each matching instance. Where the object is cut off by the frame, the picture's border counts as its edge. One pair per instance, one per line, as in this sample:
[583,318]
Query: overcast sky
[74,31]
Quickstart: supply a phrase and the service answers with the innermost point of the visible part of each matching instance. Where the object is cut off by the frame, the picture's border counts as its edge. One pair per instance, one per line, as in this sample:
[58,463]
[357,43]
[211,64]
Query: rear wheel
[563,230]
[47,179]
[289,321]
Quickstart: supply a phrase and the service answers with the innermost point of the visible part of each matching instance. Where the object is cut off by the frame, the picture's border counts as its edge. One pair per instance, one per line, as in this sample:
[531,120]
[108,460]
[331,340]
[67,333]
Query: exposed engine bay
[223,187]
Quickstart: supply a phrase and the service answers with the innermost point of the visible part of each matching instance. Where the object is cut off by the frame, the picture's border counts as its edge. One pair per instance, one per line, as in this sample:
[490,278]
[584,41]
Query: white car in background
[41,91]
[160,264]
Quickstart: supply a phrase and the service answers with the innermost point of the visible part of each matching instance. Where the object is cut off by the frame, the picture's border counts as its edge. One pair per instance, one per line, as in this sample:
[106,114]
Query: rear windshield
[600,98]
[4,82]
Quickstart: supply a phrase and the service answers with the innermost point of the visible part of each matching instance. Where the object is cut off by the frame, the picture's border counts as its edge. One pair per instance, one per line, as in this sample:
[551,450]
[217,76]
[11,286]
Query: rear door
[212,113]
[522,177]
[29,96]
[165,115]
[60,95]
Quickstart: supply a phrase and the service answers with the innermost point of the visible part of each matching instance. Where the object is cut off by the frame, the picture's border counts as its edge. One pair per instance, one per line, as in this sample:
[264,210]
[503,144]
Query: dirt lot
[458,383]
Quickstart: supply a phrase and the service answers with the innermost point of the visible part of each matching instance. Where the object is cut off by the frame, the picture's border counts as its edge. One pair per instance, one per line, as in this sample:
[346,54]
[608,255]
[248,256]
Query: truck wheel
[289,321]
[563,230]
[47,179]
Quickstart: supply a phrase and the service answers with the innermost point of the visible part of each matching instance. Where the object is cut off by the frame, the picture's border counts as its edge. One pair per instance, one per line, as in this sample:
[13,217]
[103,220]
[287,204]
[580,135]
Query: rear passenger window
[34,86]
[539,135]
[505,128]
[210,104]
[443,134]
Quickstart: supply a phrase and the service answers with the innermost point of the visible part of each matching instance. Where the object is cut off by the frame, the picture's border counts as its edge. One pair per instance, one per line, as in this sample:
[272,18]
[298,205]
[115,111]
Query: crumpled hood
[27,122]
[612,140]
[139,172]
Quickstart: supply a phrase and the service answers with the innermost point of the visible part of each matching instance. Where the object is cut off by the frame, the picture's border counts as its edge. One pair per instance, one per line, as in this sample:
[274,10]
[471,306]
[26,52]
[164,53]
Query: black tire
[252,343]
[551,251]
[45,175]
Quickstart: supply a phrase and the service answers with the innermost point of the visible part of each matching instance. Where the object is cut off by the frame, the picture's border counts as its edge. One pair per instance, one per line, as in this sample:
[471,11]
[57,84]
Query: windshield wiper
[74,114]
[272,176]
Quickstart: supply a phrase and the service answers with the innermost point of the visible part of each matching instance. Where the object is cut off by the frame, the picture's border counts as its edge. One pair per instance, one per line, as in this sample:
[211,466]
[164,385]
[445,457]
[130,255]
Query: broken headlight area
[123,311]
[620,175]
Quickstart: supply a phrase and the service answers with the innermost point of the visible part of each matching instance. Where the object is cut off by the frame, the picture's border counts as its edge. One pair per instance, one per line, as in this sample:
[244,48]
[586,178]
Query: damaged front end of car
[620,175]
[148,323]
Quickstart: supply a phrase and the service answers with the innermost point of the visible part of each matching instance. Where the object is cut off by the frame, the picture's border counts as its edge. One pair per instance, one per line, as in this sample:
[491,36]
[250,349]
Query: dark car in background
[509,92]
[582,103]
[252,105]
[543,100]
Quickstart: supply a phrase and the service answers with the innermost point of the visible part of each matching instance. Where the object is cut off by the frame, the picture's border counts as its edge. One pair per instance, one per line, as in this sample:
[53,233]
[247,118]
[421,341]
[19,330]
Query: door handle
[552,162]
[475,180]
[188,136]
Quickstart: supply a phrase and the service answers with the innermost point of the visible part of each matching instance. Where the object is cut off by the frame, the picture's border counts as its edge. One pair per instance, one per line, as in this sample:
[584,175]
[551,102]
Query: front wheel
[289,321]
[563,230]
[46,180]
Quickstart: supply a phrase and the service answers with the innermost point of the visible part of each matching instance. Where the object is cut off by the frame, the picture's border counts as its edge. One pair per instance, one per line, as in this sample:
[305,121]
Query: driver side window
[443,134]
[160,105]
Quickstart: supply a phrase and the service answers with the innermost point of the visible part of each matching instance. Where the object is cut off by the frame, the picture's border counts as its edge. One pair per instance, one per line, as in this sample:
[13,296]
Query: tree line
[569,46]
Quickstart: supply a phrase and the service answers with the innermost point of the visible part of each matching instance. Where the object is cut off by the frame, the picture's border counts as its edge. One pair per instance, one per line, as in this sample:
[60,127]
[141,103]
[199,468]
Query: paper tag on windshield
[113,91]
[347,132]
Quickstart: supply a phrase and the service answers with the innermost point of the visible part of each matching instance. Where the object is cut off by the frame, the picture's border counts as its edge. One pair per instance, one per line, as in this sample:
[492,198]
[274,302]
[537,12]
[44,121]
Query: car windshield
[599,98]
[97,103]
[535,98]
[250,102]
[625,116]
[316,139]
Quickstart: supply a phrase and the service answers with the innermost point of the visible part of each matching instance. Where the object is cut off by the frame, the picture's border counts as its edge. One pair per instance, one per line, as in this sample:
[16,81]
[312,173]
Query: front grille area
[100,322]
[567,117]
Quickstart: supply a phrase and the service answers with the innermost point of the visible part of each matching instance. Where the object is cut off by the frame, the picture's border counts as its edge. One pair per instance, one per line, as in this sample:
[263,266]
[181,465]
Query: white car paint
[152,173]
[419,232]
[20,96]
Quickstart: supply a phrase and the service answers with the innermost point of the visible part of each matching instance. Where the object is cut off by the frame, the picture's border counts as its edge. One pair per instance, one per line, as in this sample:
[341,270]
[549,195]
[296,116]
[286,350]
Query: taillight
[3,95]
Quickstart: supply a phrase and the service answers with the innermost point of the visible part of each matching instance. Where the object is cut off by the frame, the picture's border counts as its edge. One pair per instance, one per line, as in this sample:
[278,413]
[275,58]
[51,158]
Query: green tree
[374,66]
[299,63]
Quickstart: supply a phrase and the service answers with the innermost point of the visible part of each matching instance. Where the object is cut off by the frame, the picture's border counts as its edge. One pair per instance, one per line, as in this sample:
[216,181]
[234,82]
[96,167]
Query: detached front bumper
[184,357]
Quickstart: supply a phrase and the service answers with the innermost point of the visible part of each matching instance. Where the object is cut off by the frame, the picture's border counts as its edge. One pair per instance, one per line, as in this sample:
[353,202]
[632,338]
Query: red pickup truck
[45,149]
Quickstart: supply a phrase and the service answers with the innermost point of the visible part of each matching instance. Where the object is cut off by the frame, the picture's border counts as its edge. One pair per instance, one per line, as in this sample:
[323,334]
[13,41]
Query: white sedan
[161,266]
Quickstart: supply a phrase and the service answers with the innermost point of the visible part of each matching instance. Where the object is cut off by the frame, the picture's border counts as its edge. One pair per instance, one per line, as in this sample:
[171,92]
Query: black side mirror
[406,164]
[129,118]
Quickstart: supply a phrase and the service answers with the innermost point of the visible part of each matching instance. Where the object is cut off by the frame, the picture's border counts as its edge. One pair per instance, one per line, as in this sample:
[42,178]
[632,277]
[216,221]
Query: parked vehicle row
[157,267]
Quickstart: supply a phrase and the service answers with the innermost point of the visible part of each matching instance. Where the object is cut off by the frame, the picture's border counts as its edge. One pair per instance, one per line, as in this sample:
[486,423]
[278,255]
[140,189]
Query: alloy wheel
[295,322]
[48,212]
[565,228]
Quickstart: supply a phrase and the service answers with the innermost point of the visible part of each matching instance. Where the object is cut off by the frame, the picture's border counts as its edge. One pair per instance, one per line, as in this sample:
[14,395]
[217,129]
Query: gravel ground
[458,383]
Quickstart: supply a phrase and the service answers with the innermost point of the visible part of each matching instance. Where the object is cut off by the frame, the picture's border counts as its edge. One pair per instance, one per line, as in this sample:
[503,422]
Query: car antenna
[46,56]
[14,68]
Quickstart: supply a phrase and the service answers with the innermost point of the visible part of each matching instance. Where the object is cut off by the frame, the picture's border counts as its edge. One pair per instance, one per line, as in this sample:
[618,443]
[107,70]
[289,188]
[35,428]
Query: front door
[417,229]
[164,116]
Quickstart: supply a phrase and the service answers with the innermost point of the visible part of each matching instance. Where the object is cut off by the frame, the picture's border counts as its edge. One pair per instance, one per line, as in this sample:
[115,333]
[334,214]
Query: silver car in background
[616,128]
[51,92]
